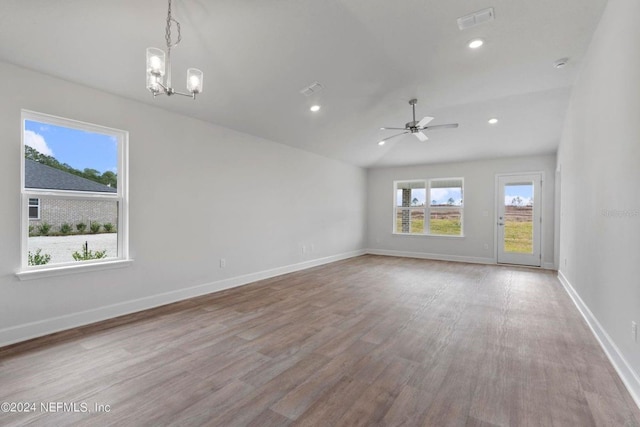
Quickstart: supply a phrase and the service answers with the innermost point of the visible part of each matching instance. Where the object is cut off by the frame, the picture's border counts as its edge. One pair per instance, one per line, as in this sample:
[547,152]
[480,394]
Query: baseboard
[438,257]
[629,377]
[31,330]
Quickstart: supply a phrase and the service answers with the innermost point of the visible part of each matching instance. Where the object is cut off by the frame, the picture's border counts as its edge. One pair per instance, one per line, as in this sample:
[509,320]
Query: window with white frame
[410,205]
[445,207]
[433,207]
[74,193]
[34,209]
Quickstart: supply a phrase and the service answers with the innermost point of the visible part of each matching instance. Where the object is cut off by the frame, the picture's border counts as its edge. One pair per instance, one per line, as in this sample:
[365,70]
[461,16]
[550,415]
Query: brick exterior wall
[406,202]
[59,211]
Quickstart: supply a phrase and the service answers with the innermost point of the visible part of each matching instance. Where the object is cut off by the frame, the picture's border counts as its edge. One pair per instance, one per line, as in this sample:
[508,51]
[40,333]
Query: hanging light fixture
[159,68]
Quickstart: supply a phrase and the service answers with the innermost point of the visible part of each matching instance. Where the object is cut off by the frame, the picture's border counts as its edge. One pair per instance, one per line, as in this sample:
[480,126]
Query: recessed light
[381,142]
[315,108]
[493,121]
[474,44]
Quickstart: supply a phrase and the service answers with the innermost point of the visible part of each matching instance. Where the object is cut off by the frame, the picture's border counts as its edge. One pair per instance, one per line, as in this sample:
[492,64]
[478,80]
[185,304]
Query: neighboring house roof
[37,175]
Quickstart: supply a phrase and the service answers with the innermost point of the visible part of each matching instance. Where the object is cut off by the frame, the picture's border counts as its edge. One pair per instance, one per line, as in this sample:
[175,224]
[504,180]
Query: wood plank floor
[367,341]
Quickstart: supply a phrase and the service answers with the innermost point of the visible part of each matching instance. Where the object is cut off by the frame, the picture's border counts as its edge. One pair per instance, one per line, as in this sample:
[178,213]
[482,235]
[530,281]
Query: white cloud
[439,194]
[511,201]
[37,142]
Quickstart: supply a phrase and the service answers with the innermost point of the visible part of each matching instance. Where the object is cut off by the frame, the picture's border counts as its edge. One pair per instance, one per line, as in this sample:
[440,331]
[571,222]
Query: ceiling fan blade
[449,125]
[393,136]
[421,136]
[425,121]
[393,128]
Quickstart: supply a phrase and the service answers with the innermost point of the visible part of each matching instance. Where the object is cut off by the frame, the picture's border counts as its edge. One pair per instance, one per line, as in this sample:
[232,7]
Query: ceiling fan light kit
[416,127]
[159,66]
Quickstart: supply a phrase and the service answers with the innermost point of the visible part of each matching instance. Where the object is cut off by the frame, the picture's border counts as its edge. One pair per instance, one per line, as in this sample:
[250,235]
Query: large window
[433,207]
[73,193]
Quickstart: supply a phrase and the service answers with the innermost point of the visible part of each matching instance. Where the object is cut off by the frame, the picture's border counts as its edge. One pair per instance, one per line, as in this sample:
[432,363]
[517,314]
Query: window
[445,207]
[440,214]
[73,193]
[410,207]
[34,209]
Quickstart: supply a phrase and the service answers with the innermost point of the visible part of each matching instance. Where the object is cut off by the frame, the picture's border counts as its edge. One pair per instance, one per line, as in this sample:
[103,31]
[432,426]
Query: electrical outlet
[304,249]
[634,331]
[313,248]
[486,246]
[223,263]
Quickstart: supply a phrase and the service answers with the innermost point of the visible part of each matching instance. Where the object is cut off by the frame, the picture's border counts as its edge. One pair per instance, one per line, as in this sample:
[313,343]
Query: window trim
[29,206]
[426,208]
[121,197]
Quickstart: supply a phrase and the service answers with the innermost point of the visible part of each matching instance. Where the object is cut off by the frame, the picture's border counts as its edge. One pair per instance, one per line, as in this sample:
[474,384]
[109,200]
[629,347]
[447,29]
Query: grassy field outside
[518,236]
[518,229]
[444,225]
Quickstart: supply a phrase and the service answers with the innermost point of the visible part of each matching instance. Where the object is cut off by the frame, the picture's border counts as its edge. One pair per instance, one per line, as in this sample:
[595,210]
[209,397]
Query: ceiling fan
[416,127]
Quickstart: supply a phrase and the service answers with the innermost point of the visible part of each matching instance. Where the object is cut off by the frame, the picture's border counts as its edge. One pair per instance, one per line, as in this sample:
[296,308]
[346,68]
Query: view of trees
[107,178]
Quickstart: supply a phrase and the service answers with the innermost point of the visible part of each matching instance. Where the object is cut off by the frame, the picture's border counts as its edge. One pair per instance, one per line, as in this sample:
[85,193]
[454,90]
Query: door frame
[495,216]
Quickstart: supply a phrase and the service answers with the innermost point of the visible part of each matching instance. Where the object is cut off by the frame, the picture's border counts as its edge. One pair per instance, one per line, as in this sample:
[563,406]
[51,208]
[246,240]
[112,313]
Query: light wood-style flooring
[363,342]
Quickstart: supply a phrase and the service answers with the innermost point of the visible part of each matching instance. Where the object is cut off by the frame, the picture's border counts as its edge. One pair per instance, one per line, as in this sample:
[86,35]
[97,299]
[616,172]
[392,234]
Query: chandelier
[159,68]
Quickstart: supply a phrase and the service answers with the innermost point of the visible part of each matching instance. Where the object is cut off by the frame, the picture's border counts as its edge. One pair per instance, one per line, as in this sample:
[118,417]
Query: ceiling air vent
[476,18]
[311,89]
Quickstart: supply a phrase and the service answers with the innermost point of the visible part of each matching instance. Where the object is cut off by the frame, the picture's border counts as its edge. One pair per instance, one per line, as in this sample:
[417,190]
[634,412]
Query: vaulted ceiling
[371,56]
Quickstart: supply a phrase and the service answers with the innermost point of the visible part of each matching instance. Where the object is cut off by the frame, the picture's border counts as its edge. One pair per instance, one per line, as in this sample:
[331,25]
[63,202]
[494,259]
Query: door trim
[495,214]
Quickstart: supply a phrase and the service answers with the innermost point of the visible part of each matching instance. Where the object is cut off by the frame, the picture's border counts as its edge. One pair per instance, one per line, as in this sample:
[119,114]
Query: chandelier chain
[167,35]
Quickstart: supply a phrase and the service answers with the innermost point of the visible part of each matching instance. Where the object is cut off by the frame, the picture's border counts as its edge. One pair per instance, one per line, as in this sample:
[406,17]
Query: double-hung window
[74,195]
[34,209]
[433,207]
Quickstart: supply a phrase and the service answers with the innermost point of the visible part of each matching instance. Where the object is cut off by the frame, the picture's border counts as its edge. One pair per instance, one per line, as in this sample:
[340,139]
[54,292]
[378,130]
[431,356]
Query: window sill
[72,269]
[446,236]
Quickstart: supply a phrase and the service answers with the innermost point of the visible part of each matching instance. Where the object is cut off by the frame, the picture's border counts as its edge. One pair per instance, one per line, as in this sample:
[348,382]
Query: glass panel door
[518,222]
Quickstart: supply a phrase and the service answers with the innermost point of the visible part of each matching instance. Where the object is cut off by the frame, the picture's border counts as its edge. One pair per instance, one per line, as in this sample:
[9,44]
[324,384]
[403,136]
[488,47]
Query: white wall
[198,193]
[479,197]
[599,160]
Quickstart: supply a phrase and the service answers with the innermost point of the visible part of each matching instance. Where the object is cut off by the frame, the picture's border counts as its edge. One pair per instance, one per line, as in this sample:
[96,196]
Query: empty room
[319,213]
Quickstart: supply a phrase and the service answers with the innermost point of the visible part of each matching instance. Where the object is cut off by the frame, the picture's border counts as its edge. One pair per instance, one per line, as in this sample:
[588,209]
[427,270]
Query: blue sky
[525,192]
[440,195]
[77,148]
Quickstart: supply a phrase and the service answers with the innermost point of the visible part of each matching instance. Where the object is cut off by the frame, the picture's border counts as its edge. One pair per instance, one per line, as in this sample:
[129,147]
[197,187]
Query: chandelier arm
[167,89]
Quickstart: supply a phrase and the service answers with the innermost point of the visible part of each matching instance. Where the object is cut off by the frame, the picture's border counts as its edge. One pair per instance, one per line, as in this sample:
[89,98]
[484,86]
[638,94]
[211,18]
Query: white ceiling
[371,56]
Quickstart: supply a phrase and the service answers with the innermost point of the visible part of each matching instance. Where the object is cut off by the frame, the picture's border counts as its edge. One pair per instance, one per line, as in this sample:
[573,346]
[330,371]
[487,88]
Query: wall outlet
[634,331]
[304,249]
[486,246]
[313,248]
[223,263]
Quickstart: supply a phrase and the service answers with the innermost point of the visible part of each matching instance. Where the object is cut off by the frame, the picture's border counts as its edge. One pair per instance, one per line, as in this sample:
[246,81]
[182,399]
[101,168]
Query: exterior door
[519,220]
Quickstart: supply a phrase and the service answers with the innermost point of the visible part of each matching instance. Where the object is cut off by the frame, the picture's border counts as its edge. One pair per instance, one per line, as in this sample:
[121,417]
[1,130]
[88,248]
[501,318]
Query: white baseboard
[14,334]
[626,372]
[438,257]
[549,266]
[441,257]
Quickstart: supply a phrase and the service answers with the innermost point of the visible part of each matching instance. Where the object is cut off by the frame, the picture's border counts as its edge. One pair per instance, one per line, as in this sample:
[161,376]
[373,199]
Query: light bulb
[381,143]
[155,63]
[194,80]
